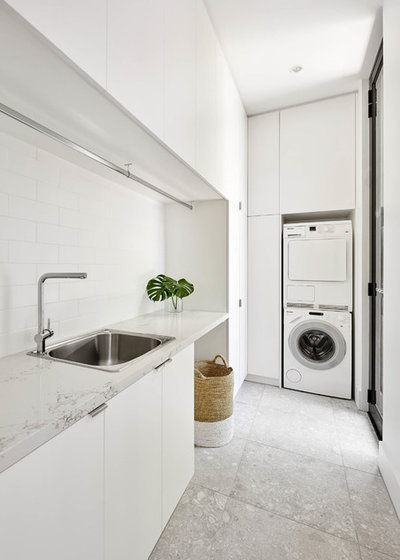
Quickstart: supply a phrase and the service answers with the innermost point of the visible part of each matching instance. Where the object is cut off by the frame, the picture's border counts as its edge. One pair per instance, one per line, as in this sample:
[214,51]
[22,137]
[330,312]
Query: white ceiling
[263,39]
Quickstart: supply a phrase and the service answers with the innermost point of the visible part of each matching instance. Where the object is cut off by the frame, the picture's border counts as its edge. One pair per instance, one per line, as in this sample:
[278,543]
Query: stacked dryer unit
[317,298]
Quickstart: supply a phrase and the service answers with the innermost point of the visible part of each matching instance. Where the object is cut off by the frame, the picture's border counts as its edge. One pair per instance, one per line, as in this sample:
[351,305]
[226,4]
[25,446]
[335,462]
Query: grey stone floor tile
[358,442]
[286,400]
[301,488]
[376,522]
[368,554]
[313,434]
[189,532]
[215,468]
[250,393]
[343,403]
[244,415]
[250,533]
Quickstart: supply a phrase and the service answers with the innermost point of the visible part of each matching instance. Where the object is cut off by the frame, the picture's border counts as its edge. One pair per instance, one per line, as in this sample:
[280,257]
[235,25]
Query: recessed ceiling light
[296,69]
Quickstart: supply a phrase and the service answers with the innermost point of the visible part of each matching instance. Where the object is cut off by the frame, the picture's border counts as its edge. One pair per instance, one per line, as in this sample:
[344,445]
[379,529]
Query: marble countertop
[40,398]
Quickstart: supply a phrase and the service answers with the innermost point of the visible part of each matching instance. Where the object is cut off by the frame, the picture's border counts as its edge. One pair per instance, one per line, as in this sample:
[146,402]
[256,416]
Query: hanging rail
[55,136]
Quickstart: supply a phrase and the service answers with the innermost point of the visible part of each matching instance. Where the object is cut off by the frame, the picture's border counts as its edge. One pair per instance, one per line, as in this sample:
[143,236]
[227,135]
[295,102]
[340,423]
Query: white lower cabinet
[105,488]
[178,429]
[52,501]
[133,470]
[148,457]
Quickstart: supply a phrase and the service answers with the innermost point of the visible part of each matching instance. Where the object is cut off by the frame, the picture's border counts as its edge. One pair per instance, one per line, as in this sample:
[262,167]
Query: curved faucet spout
[43,334]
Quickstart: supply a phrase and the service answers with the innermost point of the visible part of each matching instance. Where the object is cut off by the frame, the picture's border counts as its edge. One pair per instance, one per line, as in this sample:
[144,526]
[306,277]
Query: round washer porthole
[317,345]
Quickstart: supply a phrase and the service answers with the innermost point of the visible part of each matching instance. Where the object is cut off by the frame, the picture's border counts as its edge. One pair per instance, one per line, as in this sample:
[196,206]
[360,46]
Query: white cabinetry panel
[317,156]
[264,303]
[52,501]
[135,59]
[180,78]
[78,29]
[178,429]
[263,172]
[206,84]
[133,470]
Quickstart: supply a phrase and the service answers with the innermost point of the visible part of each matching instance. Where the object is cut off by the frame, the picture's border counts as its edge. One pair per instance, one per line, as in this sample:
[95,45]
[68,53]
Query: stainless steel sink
[108,350]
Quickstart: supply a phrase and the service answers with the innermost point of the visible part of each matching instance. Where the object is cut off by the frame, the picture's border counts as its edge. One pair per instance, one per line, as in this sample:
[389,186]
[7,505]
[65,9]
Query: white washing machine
[317,352]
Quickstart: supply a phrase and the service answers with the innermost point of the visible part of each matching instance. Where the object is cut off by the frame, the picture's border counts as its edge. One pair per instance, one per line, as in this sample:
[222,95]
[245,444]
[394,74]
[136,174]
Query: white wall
[390,447]
[55,216]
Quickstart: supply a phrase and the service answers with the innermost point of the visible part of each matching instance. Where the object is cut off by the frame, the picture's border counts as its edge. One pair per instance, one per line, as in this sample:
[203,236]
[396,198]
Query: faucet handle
[48,324]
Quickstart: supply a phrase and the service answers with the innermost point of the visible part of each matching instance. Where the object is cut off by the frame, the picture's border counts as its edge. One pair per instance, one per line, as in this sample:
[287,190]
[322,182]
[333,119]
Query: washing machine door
[317,344]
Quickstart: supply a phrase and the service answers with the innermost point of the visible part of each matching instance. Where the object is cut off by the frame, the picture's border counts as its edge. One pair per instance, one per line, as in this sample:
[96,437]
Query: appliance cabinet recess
[52,501]
[317,156]
[149,457]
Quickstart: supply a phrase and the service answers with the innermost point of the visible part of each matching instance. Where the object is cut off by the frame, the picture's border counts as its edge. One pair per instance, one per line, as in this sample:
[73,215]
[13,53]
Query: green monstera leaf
[163,287]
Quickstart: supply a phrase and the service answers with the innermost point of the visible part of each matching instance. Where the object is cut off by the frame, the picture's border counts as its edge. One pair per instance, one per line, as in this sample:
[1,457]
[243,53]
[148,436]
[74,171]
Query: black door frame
[372,113]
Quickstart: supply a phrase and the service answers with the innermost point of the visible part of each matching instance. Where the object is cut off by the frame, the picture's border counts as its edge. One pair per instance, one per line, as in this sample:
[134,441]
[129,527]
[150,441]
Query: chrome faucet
[44,333]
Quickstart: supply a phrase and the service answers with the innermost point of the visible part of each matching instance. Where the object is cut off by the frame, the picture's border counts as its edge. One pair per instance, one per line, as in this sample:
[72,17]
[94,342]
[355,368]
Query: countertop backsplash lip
[39,398]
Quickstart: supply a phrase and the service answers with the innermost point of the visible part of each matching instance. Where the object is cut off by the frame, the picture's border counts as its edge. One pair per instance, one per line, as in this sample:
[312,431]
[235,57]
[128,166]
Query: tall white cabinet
[301,161]
[264,293]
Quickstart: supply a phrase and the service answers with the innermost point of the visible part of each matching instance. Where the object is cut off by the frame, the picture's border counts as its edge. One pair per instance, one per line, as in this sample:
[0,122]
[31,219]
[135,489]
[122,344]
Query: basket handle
[222,358]
[198,374]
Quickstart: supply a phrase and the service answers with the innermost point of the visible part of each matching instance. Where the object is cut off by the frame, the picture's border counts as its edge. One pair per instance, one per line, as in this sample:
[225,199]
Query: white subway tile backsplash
[21,252]
[77,255]
[17,274]
[17,296]
[33,210]
[4,251]
[18,318]
[57,217]
[17,230]
[54,195]
[3,204]
[12,143]
[57,235]
[77,289]
[28,166]
[17,185]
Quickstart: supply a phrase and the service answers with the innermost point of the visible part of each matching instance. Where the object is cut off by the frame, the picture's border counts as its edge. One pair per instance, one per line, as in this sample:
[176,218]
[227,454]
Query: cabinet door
[135,59]
[178,429]
[263,188]
[133,470]
[206,113]
[180,78]
[78,29]
[317,156]
[52,503]
[264,304]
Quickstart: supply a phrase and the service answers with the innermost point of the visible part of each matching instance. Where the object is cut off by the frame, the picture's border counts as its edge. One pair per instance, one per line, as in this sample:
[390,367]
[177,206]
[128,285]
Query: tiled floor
[299,481]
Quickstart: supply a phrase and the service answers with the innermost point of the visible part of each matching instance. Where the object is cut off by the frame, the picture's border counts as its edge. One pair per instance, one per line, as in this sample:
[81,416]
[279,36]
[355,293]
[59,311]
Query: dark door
[377,228]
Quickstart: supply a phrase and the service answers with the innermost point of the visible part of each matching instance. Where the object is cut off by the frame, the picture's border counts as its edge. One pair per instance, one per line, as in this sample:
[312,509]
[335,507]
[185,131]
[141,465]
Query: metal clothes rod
[55,136]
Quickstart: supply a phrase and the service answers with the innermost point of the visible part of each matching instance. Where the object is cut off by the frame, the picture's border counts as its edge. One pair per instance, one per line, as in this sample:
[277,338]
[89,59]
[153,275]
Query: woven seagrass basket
[213,402]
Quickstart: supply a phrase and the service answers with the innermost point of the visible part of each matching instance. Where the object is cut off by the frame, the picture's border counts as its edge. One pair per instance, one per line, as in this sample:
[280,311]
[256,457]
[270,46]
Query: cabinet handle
[163,363]
[98,409]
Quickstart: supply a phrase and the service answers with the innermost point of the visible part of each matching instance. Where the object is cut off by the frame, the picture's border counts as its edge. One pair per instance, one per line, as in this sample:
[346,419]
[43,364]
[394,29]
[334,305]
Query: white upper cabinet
[135,59]
[317,156]
[206,85]
[263,172]
[180,78]
[77,28]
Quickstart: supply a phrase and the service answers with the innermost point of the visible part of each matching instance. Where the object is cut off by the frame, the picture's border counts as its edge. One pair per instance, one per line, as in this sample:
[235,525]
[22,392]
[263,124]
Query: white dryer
[317,352]
[317,265]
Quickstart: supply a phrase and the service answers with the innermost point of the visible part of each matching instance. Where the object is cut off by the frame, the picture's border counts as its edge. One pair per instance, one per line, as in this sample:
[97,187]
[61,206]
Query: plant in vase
[163,288]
